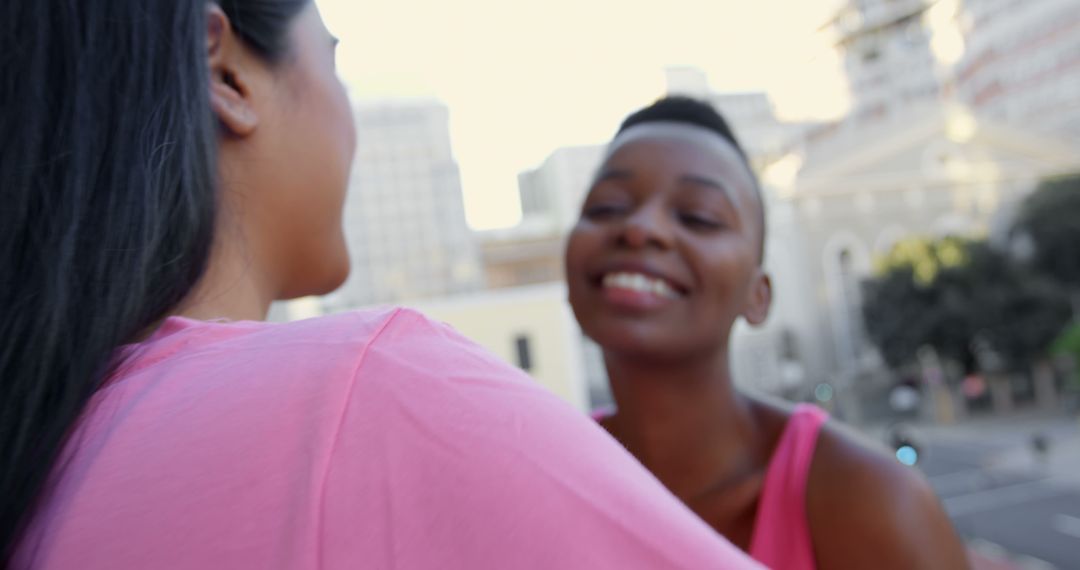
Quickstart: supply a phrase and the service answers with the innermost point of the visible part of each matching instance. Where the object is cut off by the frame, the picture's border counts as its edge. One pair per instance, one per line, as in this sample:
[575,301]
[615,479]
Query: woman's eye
[697,221]
[603,211]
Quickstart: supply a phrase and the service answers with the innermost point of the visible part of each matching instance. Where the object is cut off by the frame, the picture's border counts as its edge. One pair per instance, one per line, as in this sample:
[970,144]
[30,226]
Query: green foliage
[925,257]
[1068,344]
[947,293]
[1051,218]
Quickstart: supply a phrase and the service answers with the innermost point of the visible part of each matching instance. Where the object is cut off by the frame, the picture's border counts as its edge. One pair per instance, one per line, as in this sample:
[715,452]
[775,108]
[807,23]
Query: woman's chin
[337,278]
[624,342]
[651,344]
[326,279]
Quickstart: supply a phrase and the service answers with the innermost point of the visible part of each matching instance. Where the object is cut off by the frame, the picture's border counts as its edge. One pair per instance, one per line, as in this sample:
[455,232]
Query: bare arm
[868,511]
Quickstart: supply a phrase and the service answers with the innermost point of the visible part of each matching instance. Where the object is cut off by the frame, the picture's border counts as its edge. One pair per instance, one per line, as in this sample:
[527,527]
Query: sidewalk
[987,459]
[987,556]
[1060,463]
[1011,438]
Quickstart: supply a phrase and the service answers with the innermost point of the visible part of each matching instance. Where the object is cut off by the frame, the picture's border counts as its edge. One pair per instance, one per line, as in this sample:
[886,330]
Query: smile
[640,283]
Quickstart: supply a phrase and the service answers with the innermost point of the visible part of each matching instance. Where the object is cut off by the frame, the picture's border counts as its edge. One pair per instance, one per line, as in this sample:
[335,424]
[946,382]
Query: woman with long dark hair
[167,169]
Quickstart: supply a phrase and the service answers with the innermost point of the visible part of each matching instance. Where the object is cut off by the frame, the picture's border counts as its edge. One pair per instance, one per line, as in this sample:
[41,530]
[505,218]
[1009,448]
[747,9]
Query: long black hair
[107,201]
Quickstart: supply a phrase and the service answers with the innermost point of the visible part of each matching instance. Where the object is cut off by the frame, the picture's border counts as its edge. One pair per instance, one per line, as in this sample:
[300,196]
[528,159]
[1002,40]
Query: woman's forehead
[724,160]
[719,156]
[672,131]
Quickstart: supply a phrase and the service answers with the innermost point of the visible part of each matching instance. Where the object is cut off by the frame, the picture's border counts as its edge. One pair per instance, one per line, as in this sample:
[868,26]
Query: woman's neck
[684,421]
[233,288]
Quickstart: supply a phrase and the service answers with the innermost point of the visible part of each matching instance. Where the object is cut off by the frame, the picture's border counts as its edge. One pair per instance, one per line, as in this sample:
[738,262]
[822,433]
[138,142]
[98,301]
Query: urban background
[924,243]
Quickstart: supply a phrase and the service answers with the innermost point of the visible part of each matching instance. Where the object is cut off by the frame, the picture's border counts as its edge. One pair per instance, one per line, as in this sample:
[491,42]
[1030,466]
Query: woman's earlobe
[760,302]
[231,107]
[230,98]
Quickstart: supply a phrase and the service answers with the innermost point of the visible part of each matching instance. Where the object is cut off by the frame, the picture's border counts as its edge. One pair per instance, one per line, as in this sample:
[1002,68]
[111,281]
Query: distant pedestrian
[1040,444]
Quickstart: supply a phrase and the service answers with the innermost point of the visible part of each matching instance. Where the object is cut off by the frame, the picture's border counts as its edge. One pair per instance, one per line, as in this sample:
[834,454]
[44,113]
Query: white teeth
[639,282]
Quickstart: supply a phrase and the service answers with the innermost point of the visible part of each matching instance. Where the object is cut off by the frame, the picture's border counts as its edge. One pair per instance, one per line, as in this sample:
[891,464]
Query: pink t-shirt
[362,440]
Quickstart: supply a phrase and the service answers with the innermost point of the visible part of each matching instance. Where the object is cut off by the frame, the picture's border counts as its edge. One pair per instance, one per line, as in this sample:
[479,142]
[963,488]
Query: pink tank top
[782,531]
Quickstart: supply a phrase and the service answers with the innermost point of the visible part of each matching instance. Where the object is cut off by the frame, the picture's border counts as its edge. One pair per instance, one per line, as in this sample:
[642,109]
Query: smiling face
[666,254]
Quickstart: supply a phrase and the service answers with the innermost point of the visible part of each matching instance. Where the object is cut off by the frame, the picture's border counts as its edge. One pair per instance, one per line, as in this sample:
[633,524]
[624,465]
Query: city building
[529,327]
[751,115]
[1013,61]
[522,255]
[887,47]
[1021,64]
[942,172]
[552,194]
[404,216]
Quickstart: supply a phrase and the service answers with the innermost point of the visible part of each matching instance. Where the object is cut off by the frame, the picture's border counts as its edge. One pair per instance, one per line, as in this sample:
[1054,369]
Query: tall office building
[1013,61]
[404,216]
[751,115]
[889,55]
[1021,63]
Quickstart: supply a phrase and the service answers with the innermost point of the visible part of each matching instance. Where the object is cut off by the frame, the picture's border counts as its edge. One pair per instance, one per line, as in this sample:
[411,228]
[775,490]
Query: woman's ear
[760,301]
[230,97]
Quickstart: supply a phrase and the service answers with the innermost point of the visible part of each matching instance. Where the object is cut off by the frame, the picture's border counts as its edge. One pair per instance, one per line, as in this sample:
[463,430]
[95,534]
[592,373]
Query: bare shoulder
[866,510]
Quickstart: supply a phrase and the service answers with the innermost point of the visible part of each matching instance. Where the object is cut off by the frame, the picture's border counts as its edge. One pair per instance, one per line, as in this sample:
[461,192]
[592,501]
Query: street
[1009,501]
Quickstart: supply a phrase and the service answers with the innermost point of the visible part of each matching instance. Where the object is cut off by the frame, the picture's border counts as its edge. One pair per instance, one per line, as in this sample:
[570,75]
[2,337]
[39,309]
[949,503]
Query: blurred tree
[968,301]
[1067,348]
[919,300]
[1047,231]
[1017,312]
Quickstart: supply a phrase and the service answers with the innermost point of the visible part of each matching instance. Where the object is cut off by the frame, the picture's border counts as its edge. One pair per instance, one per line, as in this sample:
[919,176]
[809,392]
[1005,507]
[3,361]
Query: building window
[524,352]
[846,263]
[850,309]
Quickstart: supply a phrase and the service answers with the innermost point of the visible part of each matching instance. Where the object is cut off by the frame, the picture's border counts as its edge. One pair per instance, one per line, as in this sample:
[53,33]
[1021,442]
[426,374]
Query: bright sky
[522,79]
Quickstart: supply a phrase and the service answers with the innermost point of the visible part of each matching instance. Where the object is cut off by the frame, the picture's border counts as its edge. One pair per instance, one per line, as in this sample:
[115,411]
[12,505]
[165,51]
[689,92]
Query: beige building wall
[521,256]
[536,320]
